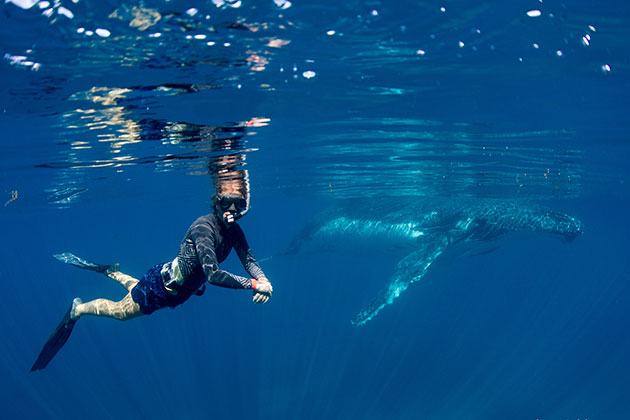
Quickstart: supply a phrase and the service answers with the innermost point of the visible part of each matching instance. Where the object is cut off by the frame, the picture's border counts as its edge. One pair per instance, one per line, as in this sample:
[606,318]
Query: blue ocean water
[111,114]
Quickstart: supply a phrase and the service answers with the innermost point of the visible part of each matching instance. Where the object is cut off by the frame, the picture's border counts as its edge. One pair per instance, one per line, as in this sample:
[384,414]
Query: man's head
[231,200]
[230,207]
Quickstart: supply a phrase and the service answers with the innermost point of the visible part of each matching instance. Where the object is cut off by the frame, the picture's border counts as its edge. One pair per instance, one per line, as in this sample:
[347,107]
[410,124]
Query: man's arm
[203,237]
[245,255]
[260,283]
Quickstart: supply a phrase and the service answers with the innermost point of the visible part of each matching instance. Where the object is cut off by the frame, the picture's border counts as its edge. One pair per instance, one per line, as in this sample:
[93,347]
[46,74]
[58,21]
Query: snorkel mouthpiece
[230,207]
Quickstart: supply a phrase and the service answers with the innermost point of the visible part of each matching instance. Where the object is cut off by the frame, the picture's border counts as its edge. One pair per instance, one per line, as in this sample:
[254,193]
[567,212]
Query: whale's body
[422,229]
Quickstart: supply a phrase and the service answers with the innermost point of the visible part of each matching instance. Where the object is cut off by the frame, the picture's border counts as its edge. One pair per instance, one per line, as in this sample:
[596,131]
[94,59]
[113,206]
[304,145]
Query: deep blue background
[537,329]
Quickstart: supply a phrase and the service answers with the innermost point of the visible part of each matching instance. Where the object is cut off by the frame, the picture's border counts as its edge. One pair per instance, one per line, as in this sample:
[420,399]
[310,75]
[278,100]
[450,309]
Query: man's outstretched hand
[262,290]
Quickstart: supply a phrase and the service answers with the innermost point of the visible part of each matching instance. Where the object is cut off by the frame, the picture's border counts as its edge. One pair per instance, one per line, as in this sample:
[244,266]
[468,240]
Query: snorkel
[230,207]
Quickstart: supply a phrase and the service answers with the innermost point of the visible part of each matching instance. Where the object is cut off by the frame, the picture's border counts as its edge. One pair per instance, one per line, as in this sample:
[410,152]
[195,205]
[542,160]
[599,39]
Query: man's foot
[111,269]
[76,302]
[72,259]
[58,338]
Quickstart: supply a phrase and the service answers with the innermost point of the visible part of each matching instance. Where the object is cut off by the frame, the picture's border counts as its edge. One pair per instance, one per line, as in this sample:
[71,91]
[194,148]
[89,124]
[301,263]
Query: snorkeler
[207,243]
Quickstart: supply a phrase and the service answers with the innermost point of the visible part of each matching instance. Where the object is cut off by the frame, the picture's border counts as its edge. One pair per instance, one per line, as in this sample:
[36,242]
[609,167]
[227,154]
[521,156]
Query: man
[207,243]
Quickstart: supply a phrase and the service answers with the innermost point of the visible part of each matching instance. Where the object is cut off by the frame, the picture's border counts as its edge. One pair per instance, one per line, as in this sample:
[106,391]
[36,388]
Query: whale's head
[566,227]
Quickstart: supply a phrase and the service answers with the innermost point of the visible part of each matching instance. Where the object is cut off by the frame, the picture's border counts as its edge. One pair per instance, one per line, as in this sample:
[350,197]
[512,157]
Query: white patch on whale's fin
[409,270]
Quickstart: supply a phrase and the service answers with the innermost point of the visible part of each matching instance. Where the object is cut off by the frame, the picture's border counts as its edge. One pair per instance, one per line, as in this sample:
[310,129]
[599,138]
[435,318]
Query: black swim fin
[56,340]
[72,259]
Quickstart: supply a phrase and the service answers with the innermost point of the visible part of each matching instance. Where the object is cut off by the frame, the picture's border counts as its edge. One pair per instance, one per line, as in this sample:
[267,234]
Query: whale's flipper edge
[409,270]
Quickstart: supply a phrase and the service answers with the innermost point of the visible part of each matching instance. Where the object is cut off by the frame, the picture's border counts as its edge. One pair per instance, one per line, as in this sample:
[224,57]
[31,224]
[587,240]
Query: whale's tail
[305,235]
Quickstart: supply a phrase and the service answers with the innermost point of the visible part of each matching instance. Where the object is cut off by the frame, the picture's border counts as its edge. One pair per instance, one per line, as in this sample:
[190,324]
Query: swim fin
[57,339]
[72,259]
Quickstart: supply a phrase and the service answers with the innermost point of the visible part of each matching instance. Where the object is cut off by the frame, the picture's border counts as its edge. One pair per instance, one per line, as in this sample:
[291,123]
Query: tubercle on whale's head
[578,230]
[570,228]
[558,224]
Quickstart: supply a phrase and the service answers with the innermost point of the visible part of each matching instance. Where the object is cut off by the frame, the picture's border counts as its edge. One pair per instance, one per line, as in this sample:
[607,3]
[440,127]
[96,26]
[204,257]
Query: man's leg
[123,310]
[125,280]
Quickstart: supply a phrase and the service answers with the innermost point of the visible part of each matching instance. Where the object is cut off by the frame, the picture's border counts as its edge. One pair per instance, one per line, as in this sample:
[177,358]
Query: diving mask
[231,206]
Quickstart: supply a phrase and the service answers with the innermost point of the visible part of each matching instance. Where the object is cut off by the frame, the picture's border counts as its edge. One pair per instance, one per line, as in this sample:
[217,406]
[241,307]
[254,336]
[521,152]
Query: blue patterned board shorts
[150,293]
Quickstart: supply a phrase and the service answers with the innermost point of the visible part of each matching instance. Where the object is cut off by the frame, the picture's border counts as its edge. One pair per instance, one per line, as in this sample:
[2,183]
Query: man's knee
[121,316]
[126,316]
[129,311]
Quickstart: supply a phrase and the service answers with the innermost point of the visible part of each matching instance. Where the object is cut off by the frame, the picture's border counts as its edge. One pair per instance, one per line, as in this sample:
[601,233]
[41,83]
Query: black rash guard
[207,244]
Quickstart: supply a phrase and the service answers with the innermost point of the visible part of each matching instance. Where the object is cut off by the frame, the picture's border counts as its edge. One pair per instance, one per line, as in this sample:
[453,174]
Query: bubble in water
[534,13]
[24,4]
[103,32]
[309,74]
[65,12]
[283,4]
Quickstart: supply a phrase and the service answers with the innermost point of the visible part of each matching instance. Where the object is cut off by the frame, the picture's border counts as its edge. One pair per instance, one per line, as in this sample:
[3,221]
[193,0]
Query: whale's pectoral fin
[409,270]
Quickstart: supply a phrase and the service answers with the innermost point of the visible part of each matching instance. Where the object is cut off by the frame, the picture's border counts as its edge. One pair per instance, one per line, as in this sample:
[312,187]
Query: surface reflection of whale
[426,228]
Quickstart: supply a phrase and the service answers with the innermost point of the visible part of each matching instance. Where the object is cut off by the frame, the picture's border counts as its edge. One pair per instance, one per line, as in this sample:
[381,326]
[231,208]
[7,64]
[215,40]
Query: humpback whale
[424,229]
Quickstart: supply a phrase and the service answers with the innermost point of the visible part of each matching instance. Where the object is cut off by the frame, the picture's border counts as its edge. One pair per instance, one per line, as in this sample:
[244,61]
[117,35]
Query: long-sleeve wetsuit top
[207,244]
